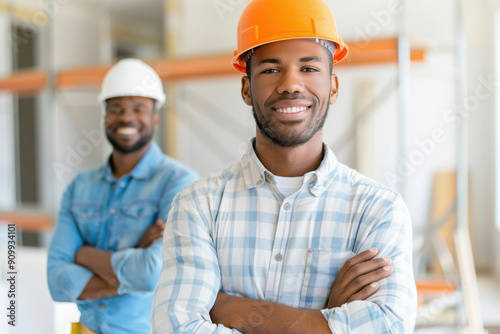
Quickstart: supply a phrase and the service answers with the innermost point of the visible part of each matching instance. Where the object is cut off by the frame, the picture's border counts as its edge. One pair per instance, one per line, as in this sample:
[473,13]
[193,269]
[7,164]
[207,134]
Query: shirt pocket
[88,217]
[322,267]
[137,217]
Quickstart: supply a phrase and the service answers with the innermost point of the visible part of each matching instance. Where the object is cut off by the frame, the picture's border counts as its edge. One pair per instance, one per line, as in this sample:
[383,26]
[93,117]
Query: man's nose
[126,114]
[290,82]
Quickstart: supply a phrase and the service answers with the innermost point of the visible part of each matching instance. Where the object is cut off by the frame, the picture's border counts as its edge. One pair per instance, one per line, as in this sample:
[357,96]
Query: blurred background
[417,110]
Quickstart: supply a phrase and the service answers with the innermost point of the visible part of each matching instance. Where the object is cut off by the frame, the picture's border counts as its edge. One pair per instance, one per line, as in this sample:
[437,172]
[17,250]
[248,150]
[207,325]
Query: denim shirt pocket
[322,267]
[137,218]
[88,217]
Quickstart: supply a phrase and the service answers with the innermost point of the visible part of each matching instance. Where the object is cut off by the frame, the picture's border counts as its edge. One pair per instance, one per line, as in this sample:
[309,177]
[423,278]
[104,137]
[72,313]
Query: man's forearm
[97,288]
[99,262]
[257,316]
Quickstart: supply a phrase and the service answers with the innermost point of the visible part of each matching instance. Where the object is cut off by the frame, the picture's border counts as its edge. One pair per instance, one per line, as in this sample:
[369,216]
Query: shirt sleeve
[137,269]
[190,279]
[392,309]
[66,279]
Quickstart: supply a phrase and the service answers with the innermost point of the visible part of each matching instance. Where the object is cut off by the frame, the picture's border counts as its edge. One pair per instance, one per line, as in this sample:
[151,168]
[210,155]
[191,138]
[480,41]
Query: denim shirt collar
[144,168]
[255,174]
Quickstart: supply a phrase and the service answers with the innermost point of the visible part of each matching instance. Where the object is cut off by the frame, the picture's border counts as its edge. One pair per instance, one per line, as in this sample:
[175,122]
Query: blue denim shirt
[112,214]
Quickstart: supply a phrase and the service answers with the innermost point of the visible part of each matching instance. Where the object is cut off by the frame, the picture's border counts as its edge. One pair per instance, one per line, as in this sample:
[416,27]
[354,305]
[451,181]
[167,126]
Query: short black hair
[248,68]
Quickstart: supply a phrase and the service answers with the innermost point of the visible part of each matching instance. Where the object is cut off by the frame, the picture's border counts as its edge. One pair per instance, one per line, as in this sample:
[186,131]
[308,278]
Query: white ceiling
[142,10]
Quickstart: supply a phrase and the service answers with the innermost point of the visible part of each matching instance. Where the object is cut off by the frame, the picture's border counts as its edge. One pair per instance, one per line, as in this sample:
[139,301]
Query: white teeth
[291,110]
[127,131]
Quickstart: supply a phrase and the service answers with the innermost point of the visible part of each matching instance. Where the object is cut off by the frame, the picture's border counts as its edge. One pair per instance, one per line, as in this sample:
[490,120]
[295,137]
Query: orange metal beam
[168,70]
[81,77]
[362,53]
[377,51]
[435,286]
[25,82]
[28,219]
[196,67]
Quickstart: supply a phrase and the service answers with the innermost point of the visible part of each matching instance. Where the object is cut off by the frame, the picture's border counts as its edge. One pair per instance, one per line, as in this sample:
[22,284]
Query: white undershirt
[288,185]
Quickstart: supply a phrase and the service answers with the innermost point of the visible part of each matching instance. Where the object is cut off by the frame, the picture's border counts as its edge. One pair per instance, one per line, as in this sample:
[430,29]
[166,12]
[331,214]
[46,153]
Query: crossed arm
[357,280]
[105,283]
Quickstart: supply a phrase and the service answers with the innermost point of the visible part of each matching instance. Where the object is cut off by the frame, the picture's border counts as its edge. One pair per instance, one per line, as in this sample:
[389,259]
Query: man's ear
[335,89]
[156,119]
[246,92]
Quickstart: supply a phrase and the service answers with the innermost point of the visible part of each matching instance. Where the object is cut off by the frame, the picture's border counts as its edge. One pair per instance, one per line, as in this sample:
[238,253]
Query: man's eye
[309,69]
[270,70]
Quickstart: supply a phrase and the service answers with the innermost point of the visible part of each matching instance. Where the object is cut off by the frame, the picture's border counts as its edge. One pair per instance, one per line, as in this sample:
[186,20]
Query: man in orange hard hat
[105,254]
[288,240]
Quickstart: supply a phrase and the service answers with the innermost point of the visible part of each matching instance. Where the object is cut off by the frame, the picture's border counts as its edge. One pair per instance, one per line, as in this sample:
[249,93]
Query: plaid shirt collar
[255,174]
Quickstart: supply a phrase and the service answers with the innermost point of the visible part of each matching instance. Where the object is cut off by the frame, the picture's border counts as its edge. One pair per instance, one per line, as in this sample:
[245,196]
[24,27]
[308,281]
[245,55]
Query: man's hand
[154,232]
[97,288]
[252,316]
[357,280]
[99,262]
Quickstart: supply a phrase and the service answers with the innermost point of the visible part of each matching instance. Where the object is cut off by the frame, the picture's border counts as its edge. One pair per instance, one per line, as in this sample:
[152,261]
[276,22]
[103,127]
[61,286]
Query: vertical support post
[467,270]
[15,107]
[404,62]
[172,8]
[47,51]
[365,128]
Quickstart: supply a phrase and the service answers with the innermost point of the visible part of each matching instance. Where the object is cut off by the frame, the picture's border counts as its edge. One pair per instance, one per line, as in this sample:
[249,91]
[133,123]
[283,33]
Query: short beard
[284,141]
[143,141]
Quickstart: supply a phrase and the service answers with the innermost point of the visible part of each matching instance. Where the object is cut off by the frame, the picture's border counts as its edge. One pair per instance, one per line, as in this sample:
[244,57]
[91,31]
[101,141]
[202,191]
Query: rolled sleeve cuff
[118,259]
[74,284]
[355,317]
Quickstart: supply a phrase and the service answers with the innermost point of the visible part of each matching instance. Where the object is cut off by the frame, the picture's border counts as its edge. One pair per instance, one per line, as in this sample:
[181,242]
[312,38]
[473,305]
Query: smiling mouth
[127,131]
[292,110]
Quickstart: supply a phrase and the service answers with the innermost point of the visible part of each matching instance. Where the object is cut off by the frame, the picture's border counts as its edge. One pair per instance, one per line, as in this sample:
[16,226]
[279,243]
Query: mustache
[286,96]
[124,125]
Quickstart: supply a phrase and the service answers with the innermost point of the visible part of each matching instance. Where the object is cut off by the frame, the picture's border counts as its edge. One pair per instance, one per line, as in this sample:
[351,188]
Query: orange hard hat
[267,21]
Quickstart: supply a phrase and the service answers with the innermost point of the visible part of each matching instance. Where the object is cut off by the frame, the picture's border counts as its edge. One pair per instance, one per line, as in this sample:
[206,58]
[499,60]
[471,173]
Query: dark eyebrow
[277,61]
[114,104]
[308,59]
[269,61]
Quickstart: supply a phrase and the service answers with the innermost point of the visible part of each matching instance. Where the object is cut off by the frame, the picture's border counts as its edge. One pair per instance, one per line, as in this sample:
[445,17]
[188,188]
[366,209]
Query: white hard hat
[132,77]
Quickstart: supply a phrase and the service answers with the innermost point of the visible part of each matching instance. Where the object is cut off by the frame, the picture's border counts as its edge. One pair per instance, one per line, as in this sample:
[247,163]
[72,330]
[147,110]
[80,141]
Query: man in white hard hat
[288,240]
[105,254]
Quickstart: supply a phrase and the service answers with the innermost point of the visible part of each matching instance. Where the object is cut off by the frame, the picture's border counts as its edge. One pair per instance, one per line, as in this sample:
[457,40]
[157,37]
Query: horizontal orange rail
[30,221]
[362,53]
[82,77]
[435,286]
[25,82]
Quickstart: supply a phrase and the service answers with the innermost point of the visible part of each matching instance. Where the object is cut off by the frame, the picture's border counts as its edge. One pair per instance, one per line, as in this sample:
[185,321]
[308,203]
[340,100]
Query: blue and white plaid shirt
[235,232]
